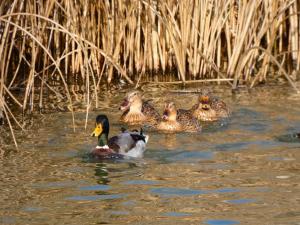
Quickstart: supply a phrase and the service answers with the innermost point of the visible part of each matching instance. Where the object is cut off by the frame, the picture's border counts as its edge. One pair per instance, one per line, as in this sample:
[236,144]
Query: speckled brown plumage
[174,120]
[137,111]
[188,121]
[150,112]
[209,108]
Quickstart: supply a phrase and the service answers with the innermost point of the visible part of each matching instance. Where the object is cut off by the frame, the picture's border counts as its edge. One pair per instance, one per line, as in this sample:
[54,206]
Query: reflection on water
[244,170]
[221,222]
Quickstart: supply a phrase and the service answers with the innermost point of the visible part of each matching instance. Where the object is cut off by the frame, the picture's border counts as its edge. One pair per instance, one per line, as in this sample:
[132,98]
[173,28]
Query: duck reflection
[170,141]
[101,172]
[104,172]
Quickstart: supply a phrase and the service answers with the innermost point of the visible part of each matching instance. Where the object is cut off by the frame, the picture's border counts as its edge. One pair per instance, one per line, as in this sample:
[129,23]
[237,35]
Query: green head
[101,130]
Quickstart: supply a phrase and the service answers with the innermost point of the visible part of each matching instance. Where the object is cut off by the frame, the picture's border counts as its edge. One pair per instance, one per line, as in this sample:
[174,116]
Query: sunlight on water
[244,170]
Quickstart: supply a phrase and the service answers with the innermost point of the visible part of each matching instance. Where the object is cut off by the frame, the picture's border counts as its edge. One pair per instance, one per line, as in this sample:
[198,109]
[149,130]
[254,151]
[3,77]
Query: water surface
[241,171]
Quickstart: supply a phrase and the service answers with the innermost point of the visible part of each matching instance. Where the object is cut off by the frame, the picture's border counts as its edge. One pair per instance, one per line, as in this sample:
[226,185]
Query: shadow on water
[291,138]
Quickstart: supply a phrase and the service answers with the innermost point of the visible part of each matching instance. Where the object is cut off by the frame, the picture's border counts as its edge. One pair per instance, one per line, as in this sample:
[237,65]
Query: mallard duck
[137,111]
[209,108]
[127,143]
[174,119]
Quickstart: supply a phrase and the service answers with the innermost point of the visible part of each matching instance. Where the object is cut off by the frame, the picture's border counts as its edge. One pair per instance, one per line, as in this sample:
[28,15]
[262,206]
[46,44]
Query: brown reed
[100,42]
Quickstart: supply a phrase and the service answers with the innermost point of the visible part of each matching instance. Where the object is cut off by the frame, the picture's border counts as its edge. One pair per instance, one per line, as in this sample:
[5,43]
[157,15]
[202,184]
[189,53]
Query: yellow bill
[98,130]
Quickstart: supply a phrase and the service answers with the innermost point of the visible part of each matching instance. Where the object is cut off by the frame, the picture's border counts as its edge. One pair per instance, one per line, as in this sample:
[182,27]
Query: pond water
[241,171]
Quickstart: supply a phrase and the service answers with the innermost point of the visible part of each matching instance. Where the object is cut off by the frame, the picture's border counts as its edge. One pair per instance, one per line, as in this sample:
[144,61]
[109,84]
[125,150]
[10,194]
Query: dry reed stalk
[218,80]
[94,42]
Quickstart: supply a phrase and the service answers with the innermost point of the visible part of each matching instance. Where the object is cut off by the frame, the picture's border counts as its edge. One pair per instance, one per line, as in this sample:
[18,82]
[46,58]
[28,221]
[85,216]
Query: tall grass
[43,43]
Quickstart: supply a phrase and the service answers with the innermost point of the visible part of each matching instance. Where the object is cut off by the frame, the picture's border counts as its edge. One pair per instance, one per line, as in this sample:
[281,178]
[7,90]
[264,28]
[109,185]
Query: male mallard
[132,144]
[137,111]
[209,108]
[178,120]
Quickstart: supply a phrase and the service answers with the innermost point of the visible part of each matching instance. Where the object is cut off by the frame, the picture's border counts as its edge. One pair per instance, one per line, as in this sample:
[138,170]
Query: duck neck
[102,140]
[136,107]
[173,116]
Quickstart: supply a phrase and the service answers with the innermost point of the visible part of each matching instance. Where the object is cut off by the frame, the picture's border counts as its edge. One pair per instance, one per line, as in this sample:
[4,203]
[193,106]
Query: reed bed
[50,45]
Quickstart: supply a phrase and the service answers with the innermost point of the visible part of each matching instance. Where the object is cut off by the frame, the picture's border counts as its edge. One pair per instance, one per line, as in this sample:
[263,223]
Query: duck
[177,120]
[127,144]
[137,111]
[209,108]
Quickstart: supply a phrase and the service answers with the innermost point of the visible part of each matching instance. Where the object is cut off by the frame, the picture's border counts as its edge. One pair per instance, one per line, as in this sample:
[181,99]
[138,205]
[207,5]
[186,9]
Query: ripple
[255,127]
[99,187]
[95,197]
[119,212]
[176,191]
[221,222]
[129,203]
[179,156]
[176,214]
[191,156]
[241,201]
[7,220]
[57,184]
[246,112]
[227,190]
[32,209]
[140,182]
[232,146]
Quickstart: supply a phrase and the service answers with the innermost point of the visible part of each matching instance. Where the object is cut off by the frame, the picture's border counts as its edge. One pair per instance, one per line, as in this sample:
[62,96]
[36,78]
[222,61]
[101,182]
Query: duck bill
[204,99]
[98,131]
[165,115]
[124,105]
[205,107]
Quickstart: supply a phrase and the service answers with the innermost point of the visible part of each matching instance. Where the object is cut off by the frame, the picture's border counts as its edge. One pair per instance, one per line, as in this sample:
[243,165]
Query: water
[241,171]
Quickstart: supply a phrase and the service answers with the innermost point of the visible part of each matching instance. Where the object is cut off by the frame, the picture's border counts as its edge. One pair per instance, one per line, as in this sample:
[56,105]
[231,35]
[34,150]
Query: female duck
[137,111]
[178,120]
[130,144]
[209,108]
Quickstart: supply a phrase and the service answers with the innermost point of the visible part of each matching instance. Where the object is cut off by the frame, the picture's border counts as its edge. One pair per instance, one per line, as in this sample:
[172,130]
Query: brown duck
[209,108]
[137,111]
[177,120]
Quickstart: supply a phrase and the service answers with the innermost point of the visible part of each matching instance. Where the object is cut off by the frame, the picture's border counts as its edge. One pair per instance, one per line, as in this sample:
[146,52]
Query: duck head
[170,112]
[132,102]
[101,129]
[204,102]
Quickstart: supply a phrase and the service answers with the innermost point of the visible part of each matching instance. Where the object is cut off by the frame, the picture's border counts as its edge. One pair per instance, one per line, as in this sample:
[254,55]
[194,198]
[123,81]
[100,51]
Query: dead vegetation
[64,42]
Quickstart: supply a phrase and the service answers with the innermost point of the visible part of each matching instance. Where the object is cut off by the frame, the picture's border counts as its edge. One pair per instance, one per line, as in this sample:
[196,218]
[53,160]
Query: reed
[49,44]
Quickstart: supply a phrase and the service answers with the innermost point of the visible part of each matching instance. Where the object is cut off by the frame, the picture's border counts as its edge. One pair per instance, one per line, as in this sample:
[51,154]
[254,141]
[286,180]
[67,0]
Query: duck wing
[124,141]
[186,119]
[124,114]
[183,114]
[220,107]
[194,107]
[150,112]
